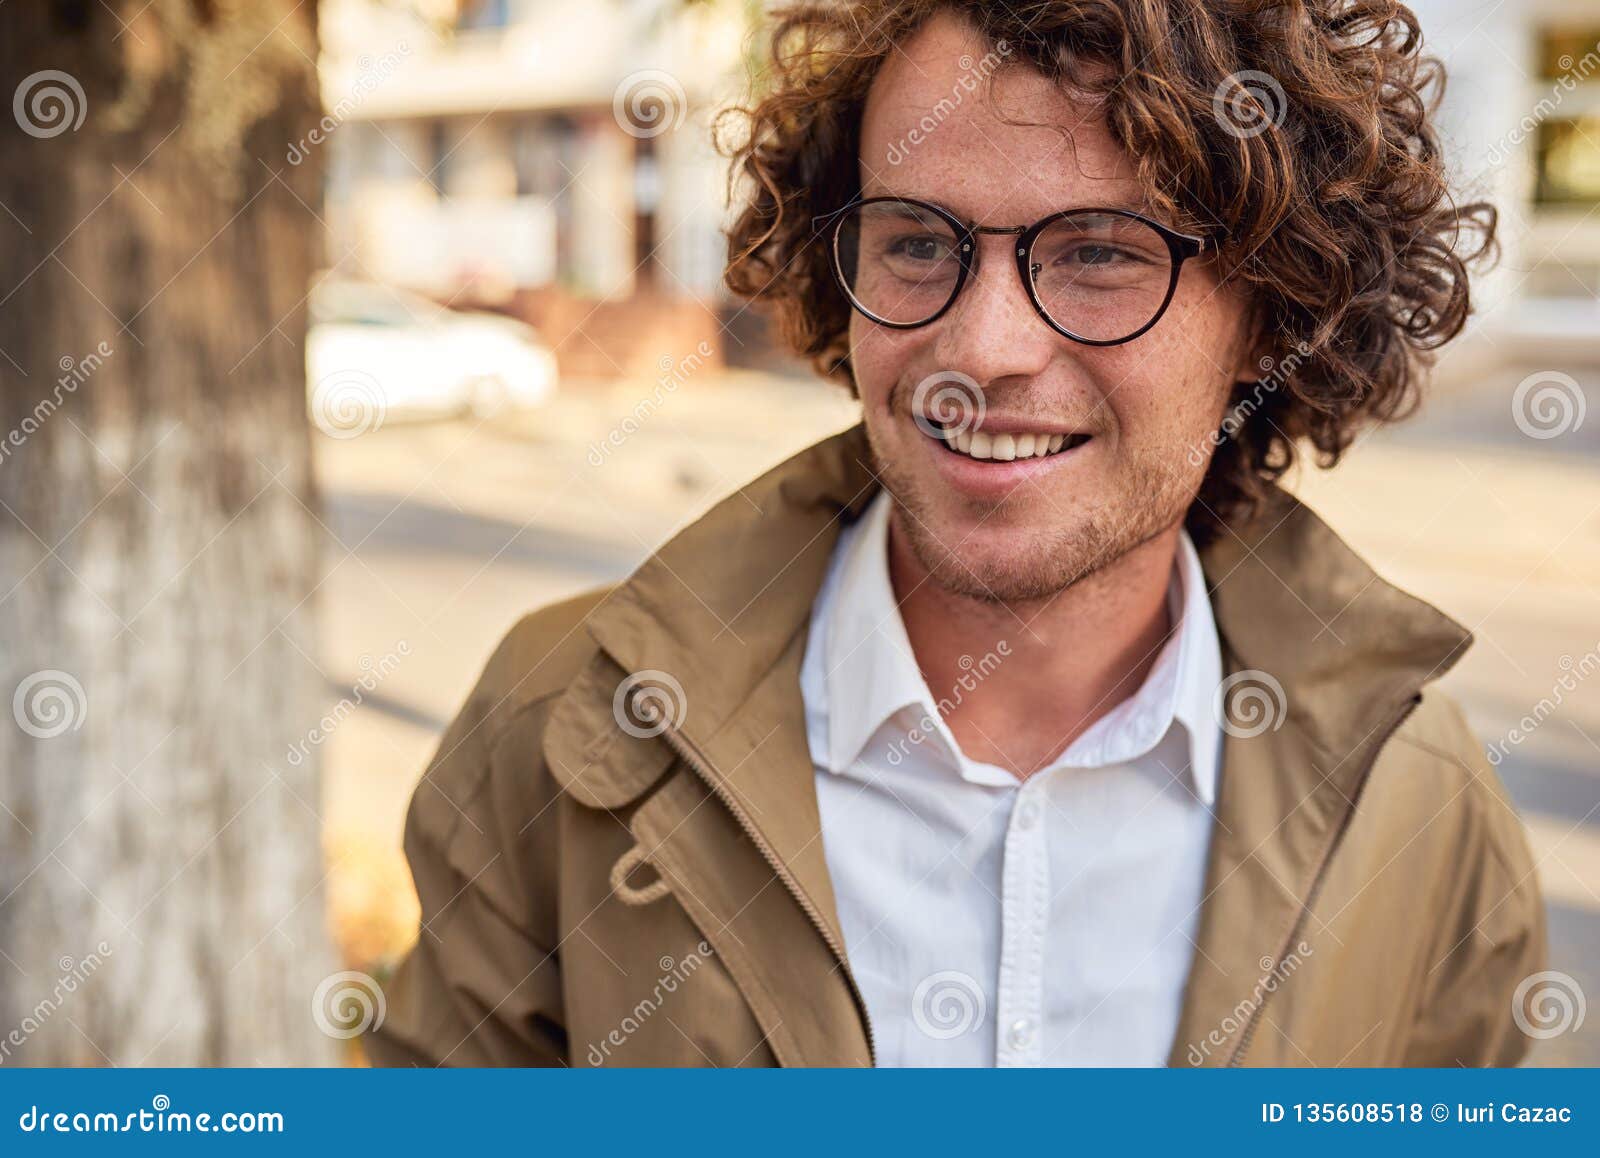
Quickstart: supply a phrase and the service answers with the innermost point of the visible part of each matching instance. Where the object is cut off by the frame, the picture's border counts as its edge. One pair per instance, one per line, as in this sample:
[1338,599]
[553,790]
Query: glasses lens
[1101,276]
[898,260]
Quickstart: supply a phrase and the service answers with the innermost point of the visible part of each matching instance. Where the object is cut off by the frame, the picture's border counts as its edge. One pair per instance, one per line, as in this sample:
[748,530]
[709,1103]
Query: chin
[1005,560]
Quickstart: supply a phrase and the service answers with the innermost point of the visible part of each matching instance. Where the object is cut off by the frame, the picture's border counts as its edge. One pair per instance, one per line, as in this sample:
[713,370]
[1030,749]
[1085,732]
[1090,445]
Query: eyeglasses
[1098,276]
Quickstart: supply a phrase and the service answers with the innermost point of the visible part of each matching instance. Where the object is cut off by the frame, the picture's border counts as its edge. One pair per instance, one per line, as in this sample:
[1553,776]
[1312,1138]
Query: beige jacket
[591,896]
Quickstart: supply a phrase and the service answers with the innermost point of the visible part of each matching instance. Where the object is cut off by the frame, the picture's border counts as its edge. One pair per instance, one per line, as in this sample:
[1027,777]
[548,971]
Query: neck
[1064,663]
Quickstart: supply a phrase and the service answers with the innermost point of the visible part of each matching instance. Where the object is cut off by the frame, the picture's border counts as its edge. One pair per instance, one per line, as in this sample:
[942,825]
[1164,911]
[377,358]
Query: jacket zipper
[1251,1020]
[692,756]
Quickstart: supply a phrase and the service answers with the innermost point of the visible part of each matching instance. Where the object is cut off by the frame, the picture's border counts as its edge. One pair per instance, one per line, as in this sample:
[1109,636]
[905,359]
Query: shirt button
[1027,814]
[1021,1035]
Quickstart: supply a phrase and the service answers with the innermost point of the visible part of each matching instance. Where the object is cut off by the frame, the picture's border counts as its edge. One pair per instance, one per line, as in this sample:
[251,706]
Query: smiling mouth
[987,447]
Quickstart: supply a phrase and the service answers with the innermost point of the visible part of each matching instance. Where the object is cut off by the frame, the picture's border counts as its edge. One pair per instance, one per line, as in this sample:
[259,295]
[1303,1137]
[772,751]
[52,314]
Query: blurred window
[1571,52]
[1569,162]
[1567,144]
[484,14]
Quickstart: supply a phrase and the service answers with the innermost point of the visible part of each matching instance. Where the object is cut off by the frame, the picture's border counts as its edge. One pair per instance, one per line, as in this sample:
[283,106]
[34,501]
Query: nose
[993,332]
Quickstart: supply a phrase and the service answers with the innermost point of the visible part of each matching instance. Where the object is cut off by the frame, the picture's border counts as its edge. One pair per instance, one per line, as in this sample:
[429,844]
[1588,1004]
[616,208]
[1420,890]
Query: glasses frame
[1180,246]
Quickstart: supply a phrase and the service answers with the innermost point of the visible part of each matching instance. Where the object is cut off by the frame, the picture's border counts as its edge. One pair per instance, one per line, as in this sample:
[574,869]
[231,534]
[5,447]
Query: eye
[922,247]
[1090,254]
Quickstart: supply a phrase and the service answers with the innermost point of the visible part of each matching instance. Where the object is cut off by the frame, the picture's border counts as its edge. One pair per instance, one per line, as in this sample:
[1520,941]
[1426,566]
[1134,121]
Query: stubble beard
[1149,500]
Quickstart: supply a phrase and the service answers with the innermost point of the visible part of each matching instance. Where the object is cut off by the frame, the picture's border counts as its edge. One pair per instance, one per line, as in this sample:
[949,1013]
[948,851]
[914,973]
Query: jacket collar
[864,672]
[724,605]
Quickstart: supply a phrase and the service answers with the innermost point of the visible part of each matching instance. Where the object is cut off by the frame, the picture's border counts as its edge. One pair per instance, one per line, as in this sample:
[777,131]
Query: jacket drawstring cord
[629,895]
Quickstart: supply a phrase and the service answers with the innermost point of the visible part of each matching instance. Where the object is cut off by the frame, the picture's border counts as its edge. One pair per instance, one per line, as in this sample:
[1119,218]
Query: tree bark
[160,862]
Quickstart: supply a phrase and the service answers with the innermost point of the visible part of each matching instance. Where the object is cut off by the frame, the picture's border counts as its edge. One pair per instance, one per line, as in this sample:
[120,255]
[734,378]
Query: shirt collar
[871,671]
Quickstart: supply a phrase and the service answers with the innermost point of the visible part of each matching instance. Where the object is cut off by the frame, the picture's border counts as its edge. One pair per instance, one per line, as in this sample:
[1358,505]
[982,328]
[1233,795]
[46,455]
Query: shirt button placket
[1024,918]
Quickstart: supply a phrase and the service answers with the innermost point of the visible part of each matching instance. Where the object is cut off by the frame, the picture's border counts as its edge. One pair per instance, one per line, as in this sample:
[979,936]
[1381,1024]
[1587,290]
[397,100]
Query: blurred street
[441,534]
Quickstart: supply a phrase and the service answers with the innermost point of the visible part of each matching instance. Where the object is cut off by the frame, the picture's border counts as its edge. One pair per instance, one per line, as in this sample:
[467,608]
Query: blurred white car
[376,352]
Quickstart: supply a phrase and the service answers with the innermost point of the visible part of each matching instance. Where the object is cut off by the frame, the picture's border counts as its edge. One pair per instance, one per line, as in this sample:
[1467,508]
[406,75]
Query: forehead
[944,121]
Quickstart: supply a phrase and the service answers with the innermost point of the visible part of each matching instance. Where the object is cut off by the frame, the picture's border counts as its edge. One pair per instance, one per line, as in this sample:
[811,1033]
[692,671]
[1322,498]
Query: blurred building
[549,158]
[1522,123]
[553,159]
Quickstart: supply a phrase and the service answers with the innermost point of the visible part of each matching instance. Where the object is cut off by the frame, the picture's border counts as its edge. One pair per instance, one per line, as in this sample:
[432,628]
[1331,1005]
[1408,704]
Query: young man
[1029,723]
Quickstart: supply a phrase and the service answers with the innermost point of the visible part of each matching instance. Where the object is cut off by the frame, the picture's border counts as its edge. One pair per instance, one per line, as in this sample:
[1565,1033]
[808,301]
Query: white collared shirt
[990,921]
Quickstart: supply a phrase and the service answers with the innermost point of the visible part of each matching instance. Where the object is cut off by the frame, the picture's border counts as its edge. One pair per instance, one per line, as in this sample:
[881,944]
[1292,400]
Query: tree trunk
[160,863]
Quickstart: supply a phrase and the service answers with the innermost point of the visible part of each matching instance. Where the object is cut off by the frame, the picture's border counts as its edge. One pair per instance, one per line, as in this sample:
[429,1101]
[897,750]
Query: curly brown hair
[1338,221]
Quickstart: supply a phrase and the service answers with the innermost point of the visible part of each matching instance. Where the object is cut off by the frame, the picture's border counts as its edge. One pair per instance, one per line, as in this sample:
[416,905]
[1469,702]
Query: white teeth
[999,447]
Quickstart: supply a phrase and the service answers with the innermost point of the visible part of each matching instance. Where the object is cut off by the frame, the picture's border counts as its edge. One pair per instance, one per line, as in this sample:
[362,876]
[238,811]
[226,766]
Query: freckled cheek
[1159,396]
[879,358]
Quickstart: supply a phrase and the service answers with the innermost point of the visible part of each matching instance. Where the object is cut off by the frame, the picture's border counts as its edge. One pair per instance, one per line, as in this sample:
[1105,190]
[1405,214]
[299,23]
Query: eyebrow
[1139,205]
